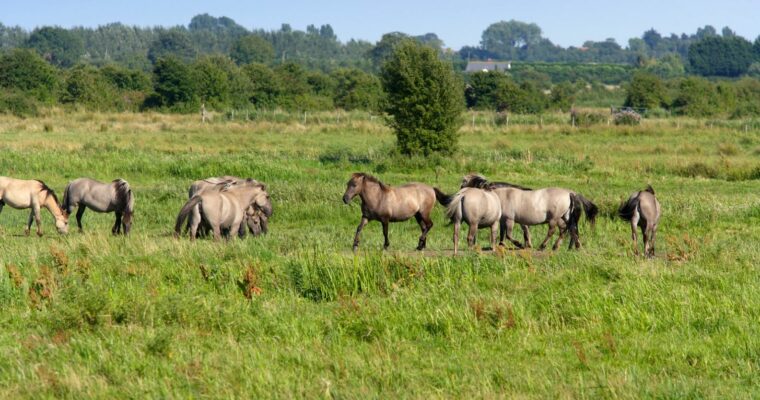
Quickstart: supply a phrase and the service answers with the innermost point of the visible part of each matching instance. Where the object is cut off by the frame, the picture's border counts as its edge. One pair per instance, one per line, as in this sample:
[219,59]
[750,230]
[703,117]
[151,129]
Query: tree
[23,70]
[173,84]
[424,100]
[175,43]
[85,85]
[384,48]
[264,86]
[645,91]
[721,56]
[696,97]
[58,46]
[356,89]
[252,48]
[211,82]
[505,38]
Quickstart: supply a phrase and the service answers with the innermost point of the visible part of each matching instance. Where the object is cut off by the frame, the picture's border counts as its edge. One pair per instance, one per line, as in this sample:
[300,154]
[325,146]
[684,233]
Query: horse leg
[359,228]
[634,224]
[80,212]
[494,232]
[510,225]
[472,235]
[648,241]
[386,244]
[425,225]
[117,225]
[236,228]
[457,226]
[29,223]
[526,237]
[562,230]
[652,238]
[217,232]
[549,234]
[37,218]
[645,239]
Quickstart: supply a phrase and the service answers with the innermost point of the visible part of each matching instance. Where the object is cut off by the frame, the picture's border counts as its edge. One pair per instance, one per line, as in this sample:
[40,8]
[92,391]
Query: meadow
[295,314]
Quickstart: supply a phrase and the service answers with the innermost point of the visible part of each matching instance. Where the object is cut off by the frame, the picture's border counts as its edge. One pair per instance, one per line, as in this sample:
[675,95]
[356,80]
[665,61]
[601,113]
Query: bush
[645,91]
[19,105]
[424,100]
[587,118]
[627,117]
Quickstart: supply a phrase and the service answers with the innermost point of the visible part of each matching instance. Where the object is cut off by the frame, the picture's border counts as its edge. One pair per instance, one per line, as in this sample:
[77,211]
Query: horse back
[649,207]
[406,200]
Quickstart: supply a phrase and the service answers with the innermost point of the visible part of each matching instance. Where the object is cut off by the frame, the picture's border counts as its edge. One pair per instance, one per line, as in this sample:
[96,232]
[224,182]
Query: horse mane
[49,191]
[373,179]
[480,182]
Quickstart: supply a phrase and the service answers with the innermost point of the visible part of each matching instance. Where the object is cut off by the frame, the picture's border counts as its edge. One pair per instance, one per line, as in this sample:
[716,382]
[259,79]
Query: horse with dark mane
[386,204]
[560,208]
[21,194]
[642,209]
[115,196]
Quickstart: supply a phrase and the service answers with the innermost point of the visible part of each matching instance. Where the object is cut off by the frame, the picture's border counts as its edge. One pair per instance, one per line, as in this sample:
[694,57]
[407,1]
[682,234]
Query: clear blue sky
[458,23]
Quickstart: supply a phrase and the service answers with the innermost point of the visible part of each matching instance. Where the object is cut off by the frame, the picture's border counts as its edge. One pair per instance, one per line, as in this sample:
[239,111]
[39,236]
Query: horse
[386,204]
[479,208]
[225,208]
[556,206]
[256,221]
[20,194]
[642,209]
[115,196]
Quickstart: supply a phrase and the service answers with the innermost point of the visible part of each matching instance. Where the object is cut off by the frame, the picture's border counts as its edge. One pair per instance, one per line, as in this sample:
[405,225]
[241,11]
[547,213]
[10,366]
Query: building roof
[478,66]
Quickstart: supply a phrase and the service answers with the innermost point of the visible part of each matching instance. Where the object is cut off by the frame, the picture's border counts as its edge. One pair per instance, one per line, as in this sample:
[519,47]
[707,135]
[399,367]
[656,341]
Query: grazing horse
[224,208]
[256,221]
[556,206]
[642,209]
[386,204]
[479,208]
[114,196]
[33,194]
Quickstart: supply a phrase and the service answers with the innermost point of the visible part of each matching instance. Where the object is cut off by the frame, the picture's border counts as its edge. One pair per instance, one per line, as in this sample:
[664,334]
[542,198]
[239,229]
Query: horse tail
[454,208]
[66,205]
[184,212]
[628,208]
[589,208]
[575,211]
[442,198]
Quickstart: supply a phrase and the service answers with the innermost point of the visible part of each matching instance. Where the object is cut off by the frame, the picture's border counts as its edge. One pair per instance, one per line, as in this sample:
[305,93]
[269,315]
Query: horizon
[454,27]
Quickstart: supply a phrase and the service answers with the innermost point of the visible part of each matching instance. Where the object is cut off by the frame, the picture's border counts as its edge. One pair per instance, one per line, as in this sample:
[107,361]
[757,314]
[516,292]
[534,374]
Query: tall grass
[297,314]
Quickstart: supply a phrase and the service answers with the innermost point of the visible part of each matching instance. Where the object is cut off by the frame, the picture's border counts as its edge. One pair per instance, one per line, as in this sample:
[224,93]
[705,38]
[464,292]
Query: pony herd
[227,205]
[497,206]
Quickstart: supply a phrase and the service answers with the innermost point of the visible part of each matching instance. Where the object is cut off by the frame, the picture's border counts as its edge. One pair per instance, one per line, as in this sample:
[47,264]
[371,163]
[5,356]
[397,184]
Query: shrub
[19,105]
[626,117]
[587,118]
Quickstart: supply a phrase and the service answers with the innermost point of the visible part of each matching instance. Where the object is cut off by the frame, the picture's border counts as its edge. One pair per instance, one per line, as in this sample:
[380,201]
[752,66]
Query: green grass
[296,314]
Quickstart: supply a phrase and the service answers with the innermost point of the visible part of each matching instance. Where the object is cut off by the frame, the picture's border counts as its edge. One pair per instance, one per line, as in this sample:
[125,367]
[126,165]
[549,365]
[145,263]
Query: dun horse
[386,204]
[556,206]
[256,220]
[224,209]
[642,209]
[479,208]
[33,194]
[114,196]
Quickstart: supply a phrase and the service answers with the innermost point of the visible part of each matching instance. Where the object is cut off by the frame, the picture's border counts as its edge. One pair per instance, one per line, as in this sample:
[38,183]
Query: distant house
[483,66]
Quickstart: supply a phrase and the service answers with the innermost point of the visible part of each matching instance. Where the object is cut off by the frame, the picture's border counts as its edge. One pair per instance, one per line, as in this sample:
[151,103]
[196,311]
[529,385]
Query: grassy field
[296,314]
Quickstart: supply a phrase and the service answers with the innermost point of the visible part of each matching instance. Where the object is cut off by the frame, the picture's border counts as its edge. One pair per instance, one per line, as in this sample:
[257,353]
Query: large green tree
[175,43]
[645,91]
[356,89]
[252,48]
[174,85]
[59,46]
[721,56]
[25,71]
[505,38]
[424,100]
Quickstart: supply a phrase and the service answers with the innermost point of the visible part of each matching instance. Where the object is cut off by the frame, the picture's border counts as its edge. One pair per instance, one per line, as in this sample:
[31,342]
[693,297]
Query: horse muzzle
[346,199]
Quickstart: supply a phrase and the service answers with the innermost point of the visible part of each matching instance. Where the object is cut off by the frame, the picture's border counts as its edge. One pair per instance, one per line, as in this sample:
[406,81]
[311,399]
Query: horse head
[353,187]
[263,202]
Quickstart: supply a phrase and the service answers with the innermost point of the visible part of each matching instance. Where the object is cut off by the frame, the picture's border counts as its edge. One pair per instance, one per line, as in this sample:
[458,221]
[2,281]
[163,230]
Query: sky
[457,23]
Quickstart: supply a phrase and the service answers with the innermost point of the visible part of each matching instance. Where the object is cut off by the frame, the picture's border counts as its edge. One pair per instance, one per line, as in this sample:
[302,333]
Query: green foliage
[721,56]
[172,43]
[24,71]
[696,97]
[587,118]
[18,104]
[497,91]
[174,86]
[424,100]
[252,48]
[562,96]
[356,90]
[265,86]
[59,46]
[126,79]
[668,67]
[212,84]
[85,85]
[645,91]
[505,38]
